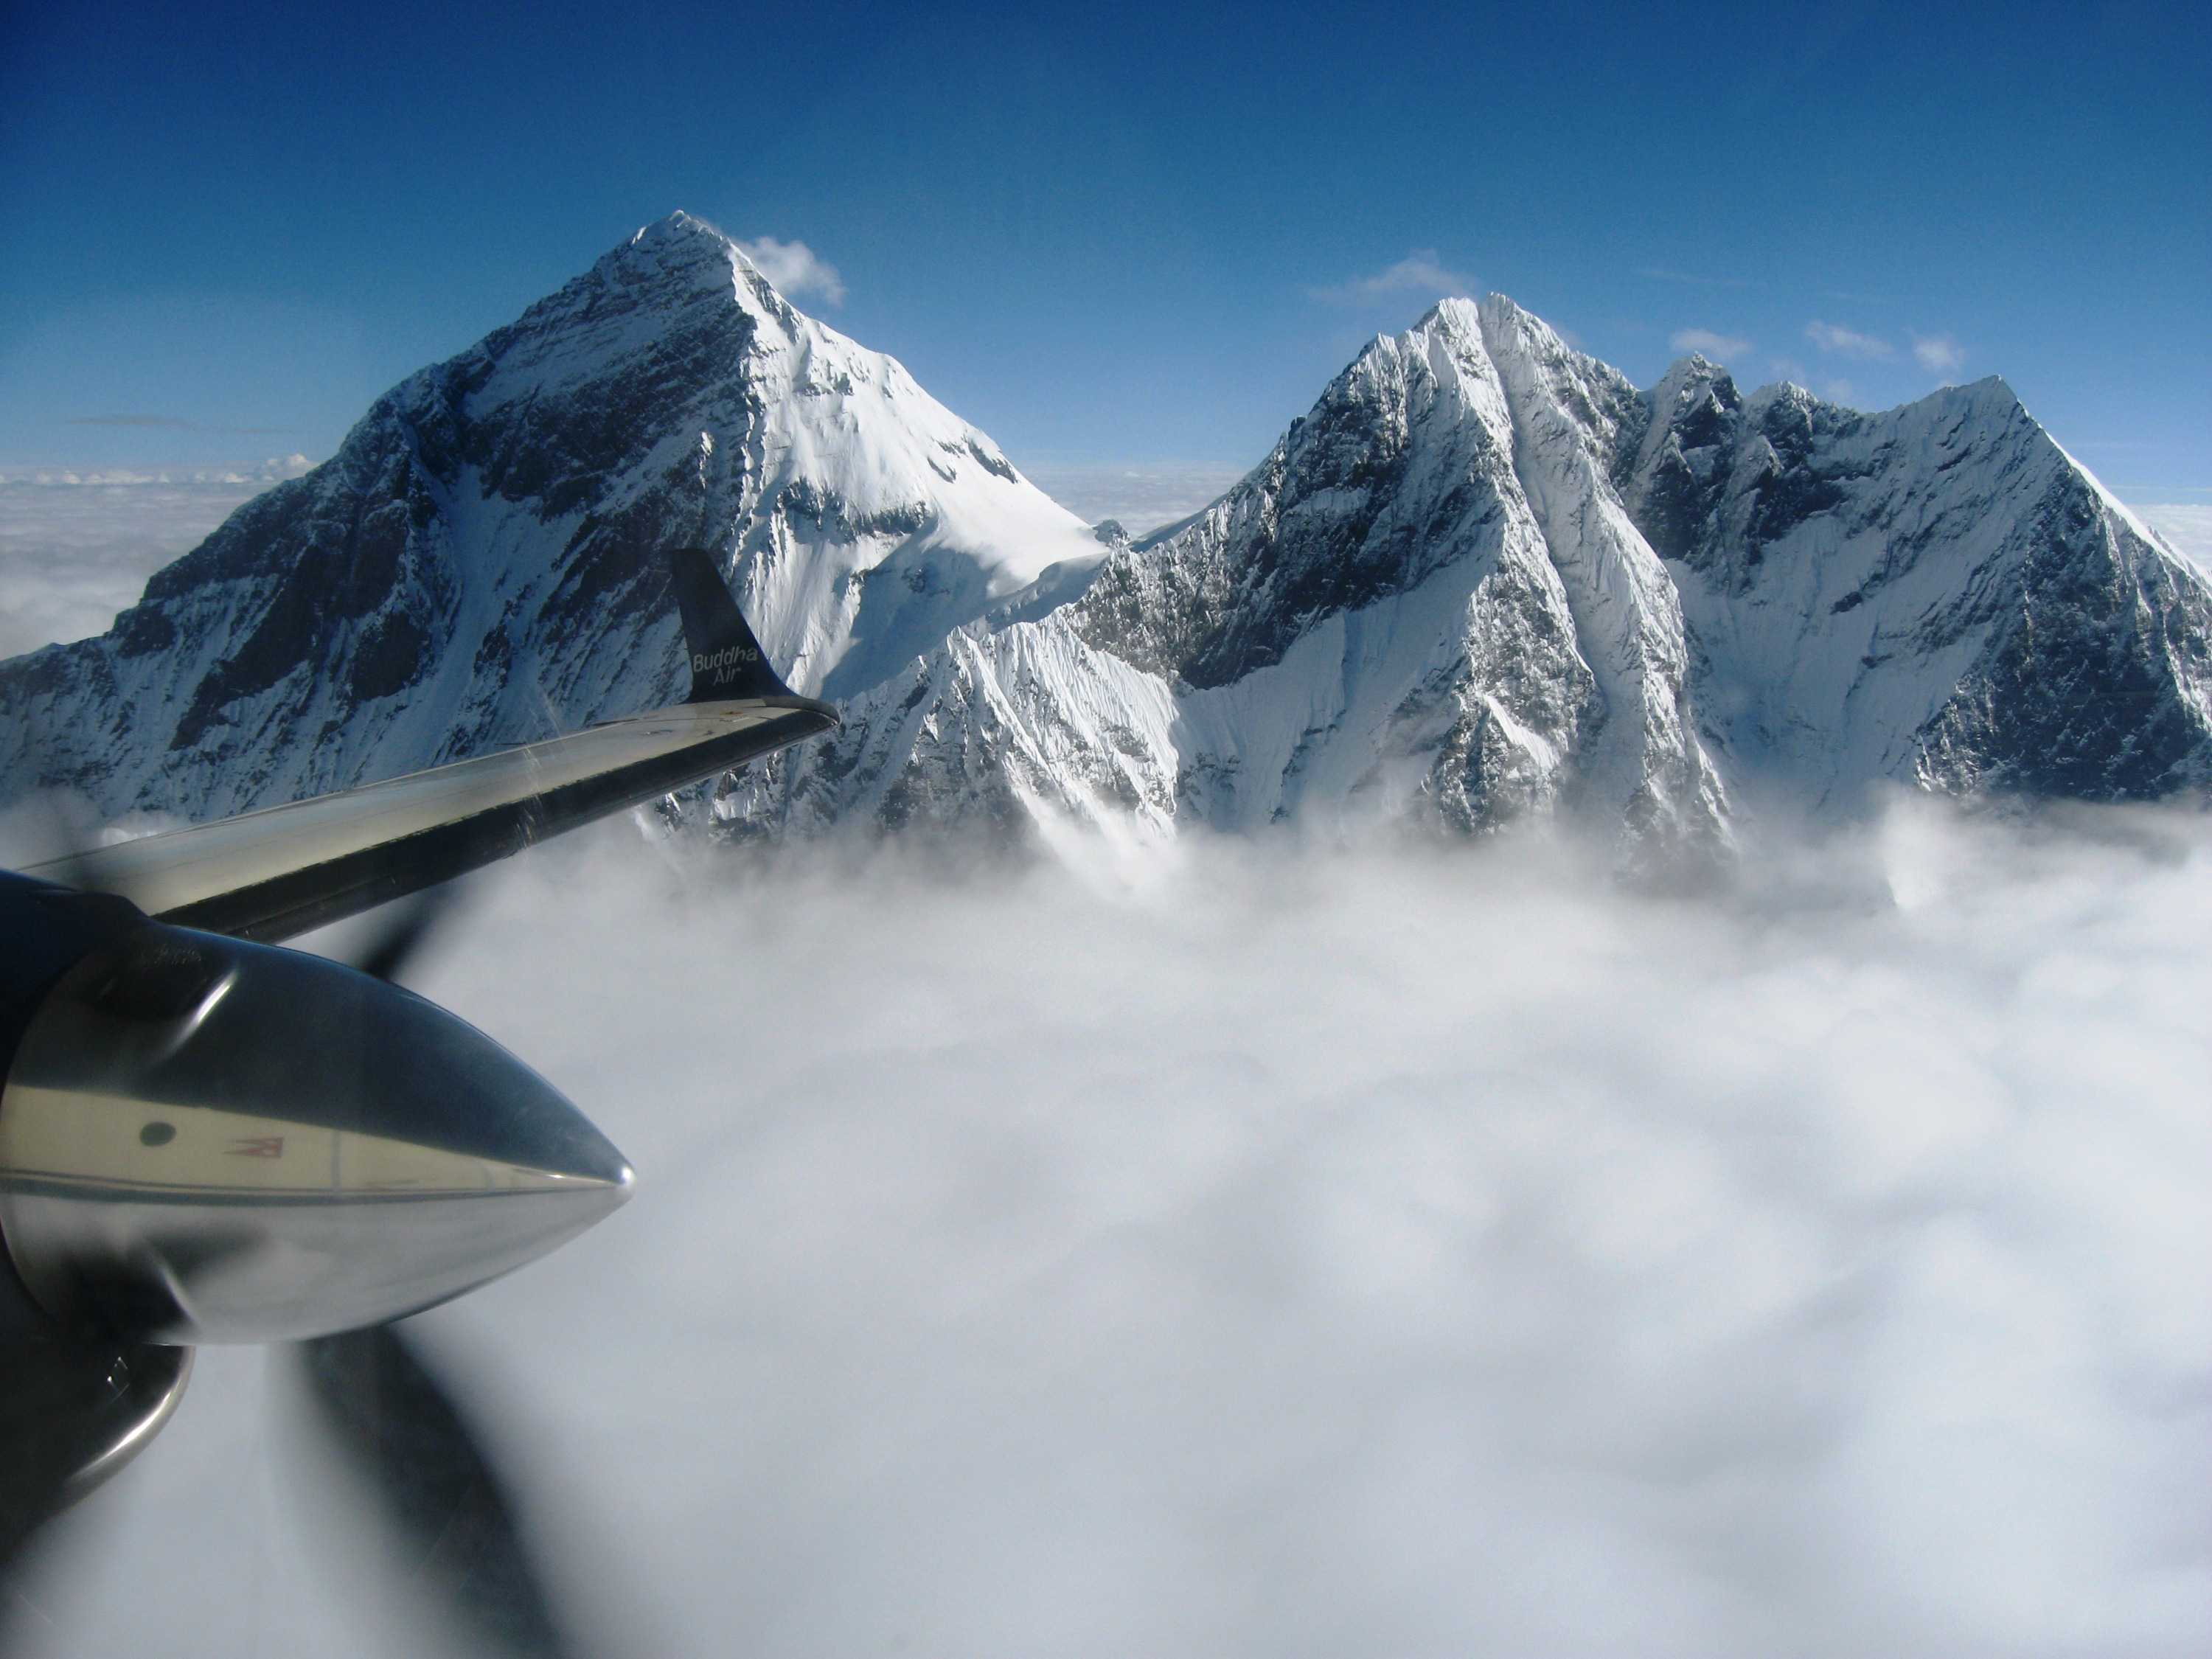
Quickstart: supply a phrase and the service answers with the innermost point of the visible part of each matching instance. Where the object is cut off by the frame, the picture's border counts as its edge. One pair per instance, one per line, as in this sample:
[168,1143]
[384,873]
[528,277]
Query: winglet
[726,660]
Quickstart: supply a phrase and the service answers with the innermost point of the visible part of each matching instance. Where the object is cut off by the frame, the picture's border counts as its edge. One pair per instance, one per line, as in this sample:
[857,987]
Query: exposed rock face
[1427,603]
[1484,580]
[478,564]
[1938,595]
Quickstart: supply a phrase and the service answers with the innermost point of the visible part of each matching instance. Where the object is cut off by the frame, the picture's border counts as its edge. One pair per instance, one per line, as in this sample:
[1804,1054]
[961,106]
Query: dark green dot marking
[157,1134]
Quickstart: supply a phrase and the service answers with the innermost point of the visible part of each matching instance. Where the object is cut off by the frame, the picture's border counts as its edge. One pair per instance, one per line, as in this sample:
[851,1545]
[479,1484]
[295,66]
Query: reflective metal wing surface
[274,874]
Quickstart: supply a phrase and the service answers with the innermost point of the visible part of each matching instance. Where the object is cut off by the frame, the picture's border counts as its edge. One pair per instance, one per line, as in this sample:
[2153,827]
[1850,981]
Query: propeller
[454,1521]
[76,1408]
[77,1401]
[402,929]
[209,1139]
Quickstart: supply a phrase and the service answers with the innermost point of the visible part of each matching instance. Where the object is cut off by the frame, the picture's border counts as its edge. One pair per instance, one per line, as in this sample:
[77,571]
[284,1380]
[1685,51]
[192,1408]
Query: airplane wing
[268,875]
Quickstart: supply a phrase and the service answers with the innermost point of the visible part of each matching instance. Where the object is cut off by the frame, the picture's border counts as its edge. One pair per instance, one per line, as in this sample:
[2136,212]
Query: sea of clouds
[1141,497]
[1243,1248]
[76,544]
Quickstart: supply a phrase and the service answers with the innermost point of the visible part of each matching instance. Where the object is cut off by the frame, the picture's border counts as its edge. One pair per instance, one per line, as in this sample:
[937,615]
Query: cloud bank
[1247,1251]
[77,547]
[2188,529]
[1141,497]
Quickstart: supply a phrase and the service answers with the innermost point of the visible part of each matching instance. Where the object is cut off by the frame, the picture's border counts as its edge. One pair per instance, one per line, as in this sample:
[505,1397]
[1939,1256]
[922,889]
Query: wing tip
[726,659]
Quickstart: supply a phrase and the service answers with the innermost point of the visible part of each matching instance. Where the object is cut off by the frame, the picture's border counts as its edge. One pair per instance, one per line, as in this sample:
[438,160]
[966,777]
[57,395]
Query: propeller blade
[406,926]
[455,1520]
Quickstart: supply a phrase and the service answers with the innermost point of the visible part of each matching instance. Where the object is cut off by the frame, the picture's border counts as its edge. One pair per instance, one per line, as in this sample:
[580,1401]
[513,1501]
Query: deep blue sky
[1129,233]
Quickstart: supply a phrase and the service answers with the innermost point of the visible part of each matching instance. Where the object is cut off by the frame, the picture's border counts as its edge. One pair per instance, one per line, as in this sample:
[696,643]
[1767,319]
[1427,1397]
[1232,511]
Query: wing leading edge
[272,874]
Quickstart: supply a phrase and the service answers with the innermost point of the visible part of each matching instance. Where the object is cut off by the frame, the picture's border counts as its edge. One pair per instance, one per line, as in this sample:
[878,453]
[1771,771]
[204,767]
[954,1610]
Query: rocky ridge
[1486,578]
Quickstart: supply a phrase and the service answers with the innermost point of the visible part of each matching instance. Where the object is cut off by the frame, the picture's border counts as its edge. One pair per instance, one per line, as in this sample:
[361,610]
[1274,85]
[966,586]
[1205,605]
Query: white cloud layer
[1721,348]
[77,546]
[1140,496]
[1939,353]
[1252,1252]
[793,269]
[1830,337]
[1421,272]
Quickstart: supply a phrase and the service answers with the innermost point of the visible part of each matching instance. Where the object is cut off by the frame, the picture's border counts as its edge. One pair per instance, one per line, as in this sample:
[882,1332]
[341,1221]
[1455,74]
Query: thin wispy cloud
[1698,282]
[1939,353]
[1720,347]
[1419,272]
[793,267]
[1847,343]
[171,423]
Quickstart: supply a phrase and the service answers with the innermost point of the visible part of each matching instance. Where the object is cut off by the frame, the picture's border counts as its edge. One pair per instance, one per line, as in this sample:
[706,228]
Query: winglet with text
[726,660]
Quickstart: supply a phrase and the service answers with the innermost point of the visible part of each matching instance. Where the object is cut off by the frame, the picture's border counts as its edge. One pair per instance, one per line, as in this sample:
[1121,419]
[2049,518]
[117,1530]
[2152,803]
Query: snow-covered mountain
[1939,595]
[1428,601]
[477,563]
[1485,578]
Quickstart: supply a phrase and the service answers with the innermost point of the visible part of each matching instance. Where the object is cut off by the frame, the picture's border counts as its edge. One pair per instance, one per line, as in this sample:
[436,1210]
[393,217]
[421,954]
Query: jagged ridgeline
[1484,579]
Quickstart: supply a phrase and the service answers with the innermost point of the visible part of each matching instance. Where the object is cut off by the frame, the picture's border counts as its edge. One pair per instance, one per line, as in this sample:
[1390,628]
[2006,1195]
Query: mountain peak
[516,497]
[1485,577]
[675,262]
[676,257]
[1991,391]
[1453,314]
[1459,316]
[677,228]
[1508,327]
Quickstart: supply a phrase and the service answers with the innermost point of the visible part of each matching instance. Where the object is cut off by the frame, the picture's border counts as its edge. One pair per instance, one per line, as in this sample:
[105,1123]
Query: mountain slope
[479,563]
[1937,596]
[1485,579]
[1426,602]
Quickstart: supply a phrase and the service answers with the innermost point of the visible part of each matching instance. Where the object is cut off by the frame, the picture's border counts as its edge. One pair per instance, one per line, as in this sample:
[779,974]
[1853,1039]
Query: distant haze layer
[1141,497]
[1249,1249]
[77,543]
